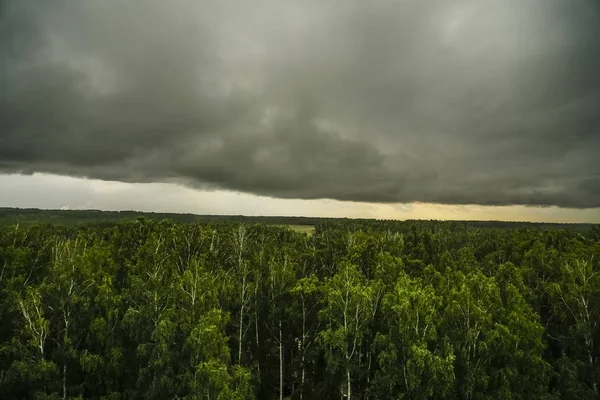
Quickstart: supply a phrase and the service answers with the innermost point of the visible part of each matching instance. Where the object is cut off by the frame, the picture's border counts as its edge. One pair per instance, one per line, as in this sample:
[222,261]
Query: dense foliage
[374,310]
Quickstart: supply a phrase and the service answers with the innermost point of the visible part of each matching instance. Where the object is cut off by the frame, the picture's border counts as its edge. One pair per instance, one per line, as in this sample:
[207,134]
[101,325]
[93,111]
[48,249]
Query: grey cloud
[463,102]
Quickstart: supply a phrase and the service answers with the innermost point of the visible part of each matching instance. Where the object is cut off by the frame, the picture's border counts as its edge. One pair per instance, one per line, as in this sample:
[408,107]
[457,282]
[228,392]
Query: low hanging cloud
[453,102]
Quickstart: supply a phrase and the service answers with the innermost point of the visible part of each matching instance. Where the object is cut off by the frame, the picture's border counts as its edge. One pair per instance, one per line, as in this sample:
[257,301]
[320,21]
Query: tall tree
[576,300]
[281,277]
[306,296]
[414,360]
[69,285]
[347,311]
[243,281]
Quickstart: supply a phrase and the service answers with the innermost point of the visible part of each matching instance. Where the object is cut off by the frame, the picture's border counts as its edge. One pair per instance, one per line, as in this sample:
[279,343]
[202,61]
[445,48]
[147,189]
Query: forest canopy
[151,309]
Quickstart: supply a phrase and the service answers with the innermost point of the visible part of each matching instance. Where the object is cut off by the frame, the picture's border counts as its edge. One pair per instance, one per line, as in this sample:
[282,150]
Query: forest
[148,309]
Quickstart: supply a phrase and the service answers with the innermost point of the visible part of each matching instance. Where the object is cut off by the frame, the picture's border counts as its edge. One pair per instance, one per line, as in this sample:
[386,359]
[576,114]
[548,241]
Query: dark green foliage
[147,309]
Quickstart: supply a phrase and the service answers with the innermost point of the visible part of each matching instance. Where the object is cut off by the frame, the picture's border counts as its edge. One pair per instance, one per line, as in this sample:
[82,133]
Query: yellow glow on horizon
[54,191]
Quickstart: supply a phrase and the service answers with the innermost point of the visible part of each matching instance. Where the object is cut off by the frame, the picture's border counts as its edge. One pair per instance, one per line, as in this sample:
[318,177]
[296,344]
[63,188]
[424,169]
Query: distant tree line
[146,309]
[102,219]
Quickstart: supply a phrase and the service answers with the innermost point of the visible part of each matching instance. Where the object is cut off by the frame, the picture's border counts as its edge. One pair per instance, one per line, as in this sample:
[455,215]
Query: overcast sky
[391,109]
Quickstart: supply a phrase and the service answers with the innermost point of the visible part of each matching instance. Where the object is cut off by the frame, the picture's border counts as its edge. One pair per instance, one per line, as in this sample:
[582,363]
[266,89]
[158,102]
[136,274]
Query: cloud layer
[462,102]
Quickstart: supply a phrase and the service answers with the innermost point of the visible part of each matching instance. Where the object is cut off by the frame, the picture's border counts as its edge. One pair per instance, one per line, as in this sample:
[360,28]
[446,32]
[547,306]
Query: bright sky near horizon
[61,192]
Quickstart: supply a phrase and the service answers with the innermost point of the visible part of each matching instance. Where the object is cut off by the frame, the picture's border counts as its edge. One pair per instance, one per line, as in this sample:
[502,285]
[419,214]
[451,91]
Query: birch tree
[281,277]
[576,302]
[69,286]
[414,360]
[347,297]
[243,279]
[306,294]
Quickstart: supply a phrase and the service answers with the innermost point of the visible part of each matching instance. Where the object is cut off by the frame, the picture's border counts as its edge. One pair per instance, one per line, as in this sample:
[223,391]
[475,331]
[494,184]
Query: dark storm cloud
[456,102]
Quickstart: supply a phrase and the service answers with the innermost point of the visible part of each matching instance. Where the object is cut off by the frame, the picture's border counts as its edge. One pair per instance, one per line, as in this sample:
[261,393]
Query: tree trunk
[303,349]
[349,383]
[240,335]
[64,380]
[257,337]
[303,377]
[280,364]
[65,337]
[590,348]
[369,358]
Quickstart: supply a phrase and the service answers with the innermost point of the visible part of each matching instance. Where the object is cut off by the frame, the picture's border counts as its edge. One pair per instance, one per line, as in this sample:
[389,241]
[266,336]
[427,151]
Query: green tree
[306,296]
[577,305]
[68,286]
[347,312]
[281,278]
[414,362]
